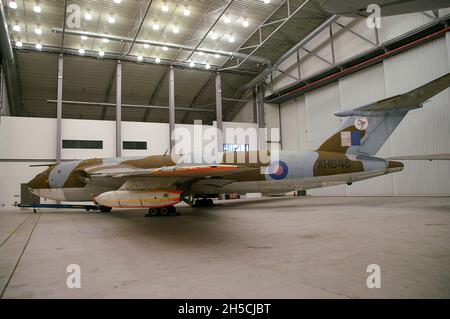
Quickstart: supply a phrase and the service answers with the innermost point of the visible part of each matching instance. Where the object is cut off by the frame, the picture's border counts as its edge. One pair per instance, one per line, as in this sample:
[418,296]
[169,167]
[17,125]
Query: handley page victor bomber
[160,182]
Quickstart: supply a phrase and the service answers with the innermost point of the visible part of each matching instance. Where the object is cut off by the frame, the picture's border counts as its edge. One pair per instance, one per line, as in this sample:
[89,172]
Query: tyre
[164,211]
[105,209]
[153,212]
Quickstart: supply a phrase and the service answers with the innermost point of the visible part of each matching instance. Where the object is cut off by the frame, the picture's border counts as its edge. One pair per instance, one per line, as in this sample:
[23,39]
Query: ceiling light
[111,19]
[81,51]
[191,64]
[231,38]
[146,45]
[245,23]
[157,60]
[176,29]
[19,44]
[13,4]
[83,37]
[266,1]
[216,56]
[186,11]
[38,30]
[207,66]
[140,58]
[227,19]
[214,35]
[17,28]
[37,8]
[38,46]
[155,26]
[117,1]
[165,7]
[105,40]
[165,48]
[101,53]
[88,16]
[201,53]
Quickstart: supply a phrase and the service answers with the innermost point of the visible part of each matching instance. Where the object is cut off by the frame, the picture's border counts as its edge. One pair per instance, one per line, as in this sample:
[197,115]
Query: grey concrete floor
[271,248]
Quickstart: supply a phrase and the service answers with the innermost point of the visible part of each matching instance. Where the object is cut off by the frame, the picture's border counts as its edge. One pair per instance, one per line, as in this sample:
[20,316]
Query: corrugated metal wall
[308,120]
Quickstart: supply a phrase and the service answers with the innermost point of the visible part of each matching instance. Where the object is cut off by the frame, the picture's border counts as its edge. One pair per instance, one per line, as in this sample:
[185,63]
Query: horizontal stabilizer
[433,157]
[42,165]
[403,102]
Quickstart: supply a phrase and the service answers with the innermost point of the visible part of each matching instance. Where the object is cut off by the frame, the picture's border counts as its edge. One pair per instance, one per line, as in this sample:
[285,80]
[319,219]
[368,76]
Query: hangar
[94,92]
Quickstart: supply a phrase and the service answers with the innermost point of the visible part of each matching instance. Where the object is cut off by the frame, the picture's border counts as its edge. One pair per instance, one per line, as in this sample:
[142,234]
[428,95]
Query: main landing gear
[105,209]
[164,211]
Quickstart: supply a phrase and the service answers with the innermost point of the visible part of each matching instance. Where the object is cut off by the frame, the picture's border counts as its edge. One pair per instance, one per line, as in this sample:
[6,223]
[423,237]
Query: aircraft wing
[408,101]
[128,177]
[170,171]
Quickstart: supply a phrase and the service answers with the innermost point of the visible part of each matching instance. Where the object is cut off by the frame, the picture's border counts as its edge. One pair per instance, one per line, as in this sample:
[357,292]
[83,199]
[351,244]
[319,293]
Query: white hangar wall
[308,120]
[27,141]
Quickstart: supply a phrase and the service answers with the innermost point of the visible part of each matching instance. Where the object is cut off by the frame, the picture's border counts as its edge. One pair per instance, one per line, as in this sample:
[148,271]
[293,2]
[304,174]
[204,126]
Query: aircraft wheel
[165,211]
[173,211]
[105,209]
[209,203]
[152,212]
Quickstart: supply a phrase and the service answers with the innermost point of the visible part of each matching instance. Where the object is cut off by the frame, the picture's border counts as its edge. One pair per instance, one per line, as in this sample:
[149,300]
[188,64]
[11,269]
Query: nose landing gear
[164,211]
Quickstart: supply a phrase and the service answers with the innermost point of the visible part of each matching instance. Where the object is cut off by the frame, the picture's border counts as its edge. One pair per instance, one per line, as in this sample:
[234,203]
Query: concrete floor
[271,248]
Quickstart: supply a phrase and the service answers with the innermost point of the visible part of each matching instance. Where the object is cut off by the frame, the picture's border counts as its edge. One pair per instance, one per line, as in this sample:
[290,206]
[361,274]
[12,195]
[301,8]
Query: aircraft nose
[38,182]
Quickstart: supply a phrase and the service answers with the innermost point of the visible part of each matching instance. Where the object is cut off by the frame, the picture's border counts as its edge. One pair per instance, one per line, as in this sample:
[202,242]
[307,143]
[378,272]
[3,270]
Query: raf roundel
[278,170]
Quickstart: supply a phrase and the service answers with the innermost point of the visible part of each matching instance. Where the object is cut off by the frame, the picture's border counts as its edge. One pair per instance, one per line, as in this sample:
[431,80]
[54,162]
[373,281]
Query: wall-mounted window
[82,144]
[235,147]
[133,145]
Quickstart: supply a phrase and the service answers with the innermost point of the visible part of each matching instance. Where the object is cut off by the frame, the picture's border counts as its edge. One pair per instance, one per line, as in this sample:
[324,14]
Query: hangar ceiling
[225,25]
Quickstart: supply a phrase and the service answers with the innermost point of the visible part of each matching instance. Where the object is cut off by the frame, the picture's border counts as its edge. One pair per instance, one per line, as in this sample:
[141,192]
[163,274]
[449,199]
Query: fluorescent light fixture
[207,66]
[266,1]
[37,8]
[201,53]
[88,16]
[81,51]
[38,30]
[117,1]
[245,23]
[140,58]
[214,35]
[101,53]
[216,56]
[165,7]
[17,28]
[111,19]
[157,60]
[231,38]
[13,4]
[186,11]
[19,44]
[105,40]
[146,45]
[155,26]
[227,19]
[165,48]
[83,37]
[191,64]
[176,29]
[38,46]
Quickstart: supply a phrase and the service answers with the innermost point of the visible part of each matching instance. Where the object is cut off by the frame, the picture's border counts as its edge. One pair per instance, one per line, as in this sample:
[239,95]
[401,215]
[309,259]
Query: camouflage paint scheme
[347,156]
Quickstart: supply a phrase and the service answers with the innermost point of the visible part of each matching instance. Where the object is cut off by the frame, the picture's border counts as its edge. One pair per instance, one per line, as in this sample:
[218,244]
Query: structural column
[258,114]
[59,109]
[219,121]
[119,109]
[171,105]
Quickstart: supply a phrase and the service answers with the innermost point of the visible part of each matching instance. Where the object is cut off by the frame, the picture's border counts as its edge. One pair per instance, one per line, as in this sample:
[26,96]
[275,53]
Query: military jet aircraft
[159,182]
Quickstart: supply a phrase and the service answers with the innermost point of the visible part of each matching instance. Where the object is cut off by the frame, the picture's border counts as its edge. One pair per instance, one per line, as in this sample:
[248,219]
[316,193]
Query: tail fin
[369,127]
